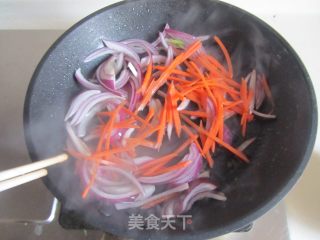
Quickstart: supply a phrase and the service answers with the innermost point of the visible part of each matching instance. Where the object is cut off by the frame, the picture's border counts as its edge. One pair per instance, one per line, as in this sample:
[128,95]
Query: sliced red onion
[116,190]
[79,145]
[127,175]
[252,87]
[85,83]
[194,190]
[228,114]
[82,127]
[156,59]
[169,56]
[143,46]
[157,106]
[227,134]
[163,40]
[169,130]
[119,63]
[91,136]
[122,48]
[246,144]
[204,37]
[185,37]
[171,208]
[143,159]
[180,35]
[92,101]
[180,176]
[184,104]
[106,73]
[211,113]
[192,171]
[135,68]
[127,135]
[78,101]
[259,93]
[98,53]
[204,195]
[131,192]
[126,205]
[122,80]
[104,178]
[156,42]
[264,115]
[133,98]
[117,136]
[205,174]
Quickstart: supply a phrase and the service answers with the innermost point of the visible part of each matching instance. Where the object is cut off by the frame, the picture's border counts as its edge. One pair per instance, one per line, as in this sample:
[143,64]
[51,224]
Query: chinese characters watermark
[153,222]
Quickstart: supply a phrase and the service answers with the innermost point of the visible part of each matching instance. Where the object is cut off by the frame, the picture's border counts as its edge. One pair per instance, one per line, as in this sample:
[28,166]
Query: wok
[278,158]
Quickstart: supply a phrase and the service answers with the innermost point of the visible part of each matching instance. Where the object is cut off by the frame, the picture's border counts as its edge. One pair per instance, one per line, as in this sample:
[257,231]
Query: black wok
[283,146]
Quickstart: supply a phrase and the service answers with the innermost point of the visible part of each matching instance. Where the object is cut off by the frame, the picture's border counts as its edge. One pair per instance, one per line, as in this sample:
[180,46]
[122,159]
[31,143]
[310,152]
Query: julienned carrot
[155,164]
[194,138]
[164,160]
[160,200]
[176,79]
[226,55]
[162,127]
[209,159]
[232,104]
[214,138]
[174,167]
[147,78]
[175,115]
[209,92]
[175,71]
[195,113]
[136,116]
[107,126]
[155,85]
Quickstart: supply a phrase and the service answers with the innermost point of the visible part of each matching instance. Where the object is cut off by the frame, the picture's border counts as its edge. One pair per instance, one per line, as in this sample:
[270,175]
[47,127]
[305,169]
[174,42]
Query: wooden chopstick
[16,181]
[15,172]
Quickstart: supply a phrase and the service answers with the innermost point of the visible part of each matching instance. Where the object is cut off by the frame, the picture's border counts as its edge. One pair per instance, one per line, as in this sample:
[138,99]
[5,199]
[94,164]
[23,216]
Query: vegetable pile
[145,97]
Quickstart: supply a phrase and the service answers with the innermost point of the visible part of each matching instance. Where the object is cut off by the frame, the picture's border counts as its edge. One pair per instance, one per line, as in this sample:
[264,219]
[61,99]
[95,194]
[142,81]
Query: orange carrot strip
[140,142]
[147,167]
[194,138]
[155,85]
[215,64]
[147,78]
[135,116]
[175,71]
[169,157]
[162,127]
[219,141]
[176,79]
[209,159]
[159,200]
[177,166]
[233,104]
[226,55]
[203,80]
[195,113]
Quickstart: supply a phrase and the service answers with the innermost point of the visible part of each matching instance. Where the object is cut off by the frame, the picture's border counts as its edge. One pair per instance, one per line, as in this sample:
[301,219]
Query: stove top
[30,211]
